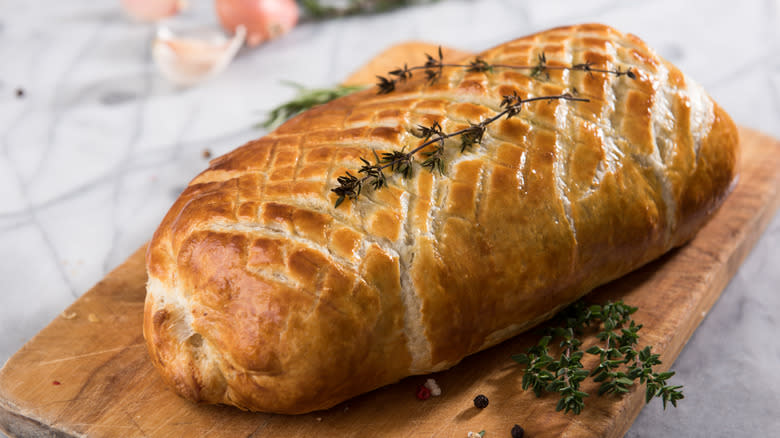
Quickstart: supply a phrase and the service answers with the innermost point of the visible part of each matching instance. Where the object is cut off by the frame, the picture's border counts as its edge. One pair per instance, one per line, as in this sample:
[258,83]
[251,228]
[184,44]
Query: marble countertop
[99,146]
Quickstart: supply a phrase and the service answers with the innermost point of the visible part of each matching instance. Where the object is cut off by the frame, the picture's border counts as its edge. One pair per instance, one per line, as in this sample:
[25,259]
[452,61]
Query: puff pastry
[263,295]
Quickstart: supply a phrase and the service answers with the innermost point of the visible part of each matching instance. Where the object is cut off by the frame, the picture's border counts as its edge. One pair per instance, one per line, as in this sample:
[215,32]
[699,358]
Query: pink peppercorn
[423,393]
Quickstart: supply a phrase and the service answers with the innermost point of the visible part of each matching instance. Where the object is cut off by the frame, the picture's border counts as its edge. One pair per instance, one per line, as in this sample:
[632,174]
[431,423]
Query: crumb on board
[93,318]
[206,153]
[66,315]
[433,387]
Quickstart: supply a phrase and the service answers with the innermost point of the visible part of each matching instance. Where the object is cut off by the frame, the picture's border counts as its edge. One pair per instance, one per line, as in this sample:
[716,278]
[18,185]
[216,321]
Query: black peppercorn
[481,401]
[19,93]
[517,431]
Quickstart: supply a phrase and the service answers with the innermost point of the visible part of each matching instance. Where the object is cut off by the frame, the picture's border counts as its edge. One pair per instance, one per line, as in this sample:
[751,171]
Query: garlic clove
[190,60]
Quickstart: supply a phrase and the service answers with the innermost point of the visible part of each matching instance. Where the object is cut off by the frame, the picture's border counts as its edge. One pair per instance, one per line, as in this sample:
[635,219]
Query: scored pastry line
[485,171]
[521,187]
[661,133]
[613,154]
[237,198]
[563,148]
[417,343]
[337,215]
[702,114]
[298,159]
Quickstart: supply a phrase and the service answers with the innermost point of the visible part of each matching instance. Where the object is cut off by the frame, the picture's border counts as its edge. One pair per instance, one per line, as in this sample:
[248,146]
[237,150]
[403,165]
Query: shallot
[264,19]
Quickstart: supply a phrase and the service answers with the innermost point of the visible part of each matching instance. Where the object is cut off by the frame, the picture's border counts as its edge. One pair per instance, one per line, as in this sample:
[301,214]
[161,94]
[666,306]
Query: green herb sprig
[318,9]
[434,66]
[401,162]
[620,363]
[305,99]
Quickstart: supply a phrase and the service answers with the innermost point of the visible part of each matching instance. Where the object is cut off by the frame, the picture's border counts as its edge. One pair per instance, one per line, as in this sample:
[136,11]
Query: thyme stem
[433,68]
[575,67]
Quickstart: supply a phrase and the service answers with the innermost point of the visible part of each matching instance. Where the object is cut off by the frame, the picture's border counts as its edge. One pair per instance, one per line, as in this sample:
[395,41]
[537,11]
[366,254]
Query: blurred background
[101,129]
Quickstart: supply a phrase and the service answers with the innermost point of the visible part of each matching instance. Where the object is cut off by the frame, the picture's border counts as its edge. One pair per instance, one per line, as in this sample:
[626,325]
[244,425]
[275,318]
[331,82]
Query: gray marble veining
[99,145]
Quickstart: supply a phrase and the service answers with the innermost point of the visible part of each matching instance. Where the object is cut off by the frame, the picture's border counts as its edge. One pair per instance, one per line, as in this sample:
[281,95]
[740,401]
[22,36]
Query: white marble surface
[100,145]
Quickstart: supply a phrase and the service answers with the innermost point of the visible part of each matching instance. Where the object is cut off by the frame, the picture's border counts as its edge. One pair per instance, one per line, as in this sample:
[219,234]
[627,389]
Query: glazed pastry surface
[263,295]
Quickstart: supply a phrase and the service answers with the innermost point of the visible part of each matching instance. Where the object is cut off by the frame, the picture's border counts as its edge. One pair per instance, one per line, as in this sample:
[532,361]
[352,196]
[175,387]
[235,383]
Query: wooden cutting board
[87,373]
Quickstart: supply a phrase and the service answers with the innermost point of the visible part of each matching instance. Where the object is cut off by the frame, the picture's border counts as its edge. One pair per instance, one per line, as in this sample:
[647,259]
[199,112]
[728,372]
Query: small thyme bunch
[402,162]
[620,363]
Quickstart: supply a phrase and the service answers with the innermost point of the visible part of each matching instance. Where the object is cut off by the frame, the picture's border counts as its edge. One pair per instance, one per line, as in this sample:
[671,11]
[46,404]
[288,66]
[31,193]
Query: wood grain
[87,373]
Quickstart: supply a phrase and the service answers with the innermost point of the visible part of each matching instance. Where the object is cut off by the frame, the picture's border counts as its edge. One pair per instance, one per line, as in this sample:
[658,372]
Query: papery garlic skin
[152,10]
[264,19]
[187,61]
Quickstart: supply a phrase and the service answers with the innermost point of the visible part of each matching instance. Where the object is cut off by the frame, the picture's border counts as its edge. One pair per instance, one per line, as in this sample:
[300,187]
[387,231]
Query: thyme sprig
[620,363]
[350,186]
[401,162]
[434,66]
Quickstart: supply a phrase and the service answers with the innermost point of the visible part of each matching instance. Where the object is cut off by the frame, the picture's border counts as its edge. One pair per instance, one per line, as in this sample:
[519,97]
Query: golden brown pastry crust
[264,296]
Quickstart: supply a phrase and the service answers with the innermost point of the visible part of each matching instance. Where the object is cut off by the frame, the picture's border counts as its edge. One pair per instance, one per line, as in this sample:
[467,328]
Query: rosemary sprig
[305,99]
[402,162]
[620,363]
[318,9]
[433,68]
